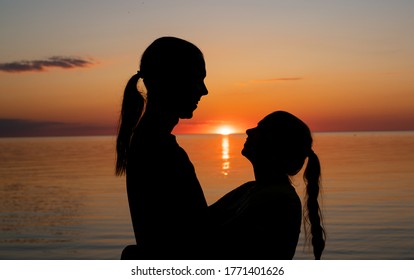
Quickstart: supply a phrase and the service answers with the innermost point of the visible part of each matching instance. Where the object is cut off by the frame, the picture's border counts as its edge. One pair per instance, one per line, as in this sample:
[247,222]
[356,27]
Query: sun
[225,130]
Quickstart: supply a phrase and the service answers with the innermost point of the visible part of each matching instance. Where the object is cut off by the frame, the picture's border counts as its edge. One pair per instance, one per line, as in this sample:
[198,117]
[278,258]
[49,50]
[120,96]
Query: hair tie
[139,74]
[311,152]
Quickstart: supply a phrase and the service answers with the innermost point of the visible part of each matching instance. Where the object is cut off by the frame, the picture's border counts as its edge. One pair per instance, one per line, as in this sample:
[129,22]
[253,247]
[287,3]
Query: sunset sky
[338,65]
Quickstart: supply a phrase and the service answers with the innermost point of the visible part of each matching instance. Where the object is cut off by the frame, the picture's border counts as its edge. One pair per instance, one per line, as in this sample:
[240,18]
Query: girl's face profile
[263,142]
[254,142]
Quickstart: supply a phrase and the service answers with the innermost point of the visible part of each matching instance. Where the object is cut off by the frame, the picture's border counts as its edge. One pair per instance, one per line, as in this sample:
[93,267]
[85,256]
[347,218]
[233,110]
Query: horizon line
[213,133]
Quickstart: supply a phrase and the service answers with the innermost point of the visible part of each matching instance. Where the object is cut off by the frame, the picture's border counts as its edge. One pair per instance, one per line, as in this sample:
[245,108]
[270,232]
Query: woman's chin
[186,115]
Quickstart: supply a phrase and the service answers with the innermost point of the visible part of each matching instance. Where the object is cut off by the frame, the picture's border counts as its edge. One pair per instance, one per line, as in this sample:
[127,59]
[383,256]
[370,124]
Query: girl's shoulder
[274,197]
[233,197]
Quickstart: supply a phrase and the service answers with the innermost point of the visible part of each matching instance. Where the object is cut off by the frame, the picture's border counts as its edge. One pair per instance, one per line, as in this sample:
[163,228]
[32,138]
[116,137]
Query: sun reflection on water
[225,147]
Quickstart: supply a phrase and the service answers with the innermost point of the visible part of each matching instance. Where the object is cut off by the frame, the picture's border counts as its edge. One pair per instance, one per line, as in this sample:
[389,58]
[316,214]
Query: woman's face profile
[189,88]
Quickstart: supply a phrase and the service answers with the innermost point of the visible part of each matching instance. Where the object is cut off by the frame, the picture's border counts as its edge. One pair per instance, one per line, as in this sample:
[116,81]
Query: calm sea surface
[59,198]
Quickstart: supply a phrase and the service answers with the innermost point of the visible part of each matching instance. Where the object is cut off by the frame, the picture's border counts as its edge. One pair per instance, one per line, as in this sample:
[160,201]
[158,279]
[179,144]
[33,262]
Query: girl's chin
[245,152]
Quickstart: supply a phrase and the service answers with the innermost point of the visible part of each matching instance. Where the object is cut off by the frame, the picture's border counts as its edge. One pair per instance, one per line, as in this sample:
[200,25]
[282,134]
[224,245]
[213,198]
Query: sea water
[59,198]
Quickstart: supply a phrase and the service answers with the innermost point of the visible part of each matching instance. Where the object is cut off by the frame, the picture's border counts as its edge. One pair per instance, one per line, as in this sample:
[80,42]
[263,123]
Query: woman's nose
[204,90]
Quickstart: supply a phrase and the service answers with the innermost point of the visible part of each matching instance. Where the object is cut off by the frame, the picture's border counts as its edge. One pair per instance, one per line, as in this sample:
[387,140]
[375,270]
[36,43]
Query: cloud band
[284,79]
[65,62]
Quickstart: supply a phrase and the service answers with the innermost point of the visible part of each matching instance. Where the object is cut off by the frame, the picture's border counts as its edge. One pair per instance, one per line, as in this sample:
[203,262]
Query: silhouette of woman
[166,201]
[261,219]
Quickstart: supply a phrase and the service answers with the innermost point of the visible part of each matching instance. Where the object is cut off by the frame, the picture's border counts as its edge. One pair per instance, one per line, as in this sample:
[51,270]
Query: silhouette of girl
[261,219]
[166,201]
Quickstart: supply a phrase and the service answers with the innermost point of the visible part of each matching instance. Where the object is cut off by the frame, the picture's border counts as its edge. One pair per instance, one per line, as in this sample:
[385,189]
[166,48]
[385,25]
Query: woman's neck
[158,119]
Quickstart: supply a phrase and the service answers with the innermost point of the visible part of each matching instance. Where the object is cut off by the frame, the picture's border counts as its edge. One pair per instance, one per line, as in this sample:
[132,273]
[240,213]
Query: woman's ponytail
[132,108]
[312,213]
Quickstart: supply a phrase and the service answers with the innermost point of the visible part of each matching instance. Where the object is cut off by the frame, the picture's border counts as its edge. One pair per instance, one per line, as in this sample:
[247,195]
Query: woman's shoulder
[239,191]
[152,143]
